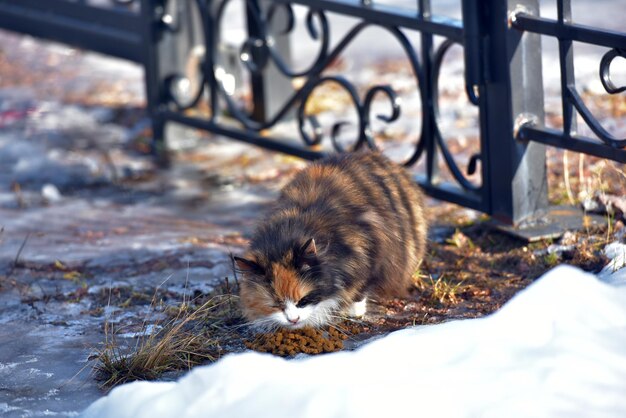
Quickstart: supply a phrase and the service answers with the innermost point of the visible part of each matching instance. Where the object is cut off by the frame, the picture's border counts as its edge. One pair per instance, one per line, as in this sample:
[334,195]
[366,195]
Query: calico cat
[345,229]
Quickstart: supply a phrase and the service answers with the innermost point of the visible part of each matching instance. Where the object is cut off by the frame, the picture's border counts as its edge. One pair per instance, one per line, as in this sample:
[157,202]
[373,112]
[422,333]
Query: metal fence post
[513,96]
[151,10]
[270,87]
[172,34]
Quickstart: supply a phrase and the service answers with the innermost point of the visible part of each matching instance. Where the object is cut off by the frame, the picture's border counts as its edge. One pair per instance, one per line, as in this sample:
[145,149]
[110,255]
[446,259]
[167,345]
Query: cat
[345,229]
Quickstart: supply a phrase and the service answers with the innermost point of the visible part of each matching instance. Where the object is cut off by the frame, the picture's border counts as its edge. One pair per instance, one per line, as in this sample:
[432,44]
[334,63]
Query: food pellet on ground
[305,340]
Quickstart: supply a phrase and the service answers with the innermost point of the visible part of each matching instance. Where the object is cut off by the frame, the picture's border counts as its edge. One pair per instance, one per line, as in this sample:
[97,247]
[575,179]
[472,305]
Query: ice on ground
[556,349]
[147,331]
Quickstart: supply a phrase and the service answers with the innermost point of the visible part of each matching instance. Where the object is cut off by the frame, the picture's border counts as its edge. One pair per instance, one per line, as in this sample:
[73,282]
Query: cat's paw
[357,309]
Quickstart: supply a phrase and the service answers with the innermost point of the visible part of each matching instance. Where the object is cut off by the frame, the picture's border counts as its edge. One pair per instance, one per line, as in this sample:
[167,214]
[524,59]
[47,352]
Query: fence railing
[189,72]
[567,32]
[114,31]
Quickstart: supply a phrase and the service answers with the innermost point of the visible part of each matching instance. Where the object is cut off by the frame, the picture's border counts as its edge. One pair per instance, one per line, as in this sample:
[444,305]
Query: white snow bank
[558,349]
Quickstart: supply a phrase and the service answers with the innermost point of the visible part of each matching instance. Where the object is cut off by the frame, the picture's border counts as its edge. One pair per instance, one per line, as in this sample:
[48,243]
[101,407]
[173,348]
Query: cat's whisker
[352,319]
[336,316]
[265,324]
[239,326]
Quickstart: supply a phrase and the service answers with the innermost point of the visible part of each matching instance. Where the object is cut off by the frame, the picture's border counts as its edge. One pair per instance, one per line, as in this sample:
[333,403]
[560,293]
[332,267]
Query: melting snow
[558,348]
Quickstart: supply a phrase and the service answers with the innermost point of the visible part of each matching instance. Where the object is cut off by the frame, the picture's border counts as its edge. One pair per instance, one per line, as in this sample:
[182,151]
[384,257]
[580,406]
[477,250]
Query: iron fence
[187,68]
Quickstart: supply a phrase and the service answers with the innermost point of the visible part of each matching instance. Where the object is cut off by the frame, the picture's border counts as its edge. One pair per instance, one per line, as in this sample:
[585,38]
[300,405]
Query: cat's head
[289,291]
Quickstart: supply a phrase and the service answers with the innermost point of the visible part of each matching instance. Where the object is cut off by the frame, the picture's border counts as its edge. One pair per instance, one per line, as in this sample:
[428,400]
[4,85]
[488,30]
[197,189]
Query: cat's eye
[307,300]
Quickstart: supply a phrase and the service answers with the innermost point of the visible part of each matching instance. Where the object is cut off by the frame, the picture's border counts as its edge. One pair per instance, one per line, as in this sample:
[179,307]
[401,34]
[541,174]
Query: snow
[557,348]
[614,272]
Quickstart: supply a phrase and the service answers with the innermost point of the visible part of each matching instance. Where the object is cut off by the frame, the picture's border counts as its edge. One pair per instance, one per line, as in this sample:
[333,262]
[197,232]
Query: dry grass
[442,290]
[192,335]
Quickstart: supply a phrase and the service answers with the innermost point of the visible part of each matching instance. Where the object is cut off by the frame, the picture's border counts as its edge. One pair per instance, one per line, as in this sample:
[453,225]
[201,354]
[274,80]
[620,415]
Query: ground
[101,249]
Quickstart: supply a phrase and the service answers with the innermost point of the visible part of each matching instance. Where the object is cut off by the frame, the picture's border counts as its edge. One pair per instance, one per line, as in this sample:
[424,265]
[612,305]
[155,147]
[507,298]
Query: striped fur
[366,218]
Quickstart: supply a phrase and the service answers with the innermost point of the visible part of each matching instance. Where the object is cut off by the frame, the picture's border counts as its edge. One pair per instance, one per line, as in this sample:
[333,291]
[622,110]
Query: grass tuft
[442,290]
[191,336]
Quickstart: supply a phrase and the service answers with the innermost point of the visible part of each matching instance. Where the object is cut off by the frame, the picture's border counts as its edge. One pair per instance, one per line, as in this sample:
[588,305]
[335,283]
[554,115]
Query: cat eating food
[345,229]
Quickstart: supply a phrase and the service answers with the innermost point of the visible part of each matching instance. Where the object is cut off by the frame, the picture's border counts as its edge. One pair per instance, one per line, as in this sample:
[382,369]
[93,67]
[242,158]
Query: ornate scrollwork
[447,155]
[593,123]
[605,74]
[322,34]
[363,111]
[605,77]
[257,51]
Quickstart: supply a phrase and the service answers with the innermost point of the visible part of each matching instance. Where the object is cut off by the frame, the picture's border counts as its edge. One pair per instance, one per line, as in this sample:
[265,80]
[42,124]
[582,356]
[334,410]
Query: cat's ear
[309,248]
[248,266]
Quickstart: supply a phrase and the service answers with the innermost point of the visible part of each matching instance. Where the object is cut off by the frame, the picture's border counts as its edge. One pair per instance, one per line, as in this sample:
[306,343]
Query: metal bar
[152,77]
[388,16]
[476,74]
[122,19]
[566,61]
[451,193]
[241,135]
[122,40]
[211,36]
[576,143]
[574,32]
[257,80]
[270,88]
[472,48]
[428,123]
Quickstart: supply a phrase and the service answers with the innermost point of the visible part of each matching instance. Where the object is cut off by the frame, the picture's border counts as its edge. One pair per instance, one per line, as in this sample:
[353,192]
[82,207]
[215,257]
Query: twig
[568,188]
[19,252]
[581,172]
[108,160]
[186,285]
[17,189]
[616,170]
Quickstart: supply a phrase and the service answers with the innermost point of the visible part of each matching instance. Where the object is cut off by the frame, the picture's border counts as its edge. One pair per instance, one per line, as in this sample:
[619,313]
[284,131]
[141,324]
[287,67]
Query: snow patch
[614,272]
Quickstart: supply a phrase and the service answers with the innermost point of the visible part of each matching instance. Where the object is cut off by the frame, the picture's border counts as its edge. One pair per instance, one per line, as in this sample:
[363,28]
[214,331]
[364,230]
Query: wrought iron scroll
[605,74]
[471,168]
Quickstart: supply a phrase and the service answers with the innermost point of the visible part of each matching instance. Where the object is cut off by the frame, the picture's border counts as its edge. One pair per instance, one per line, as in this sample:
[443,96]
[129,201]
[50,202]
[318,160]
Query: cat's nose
[294,320]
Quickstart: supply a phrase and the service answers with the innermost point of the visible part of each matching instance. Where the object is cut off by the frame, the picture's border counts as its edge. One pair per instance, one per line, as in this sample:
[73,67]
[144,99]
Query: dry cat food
[305,340]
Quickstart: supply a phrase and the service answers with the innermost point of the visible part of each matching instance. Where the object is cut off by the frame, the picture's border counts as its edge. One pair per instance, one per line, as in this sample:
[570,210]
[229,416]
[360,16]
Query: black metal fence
[179,43]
